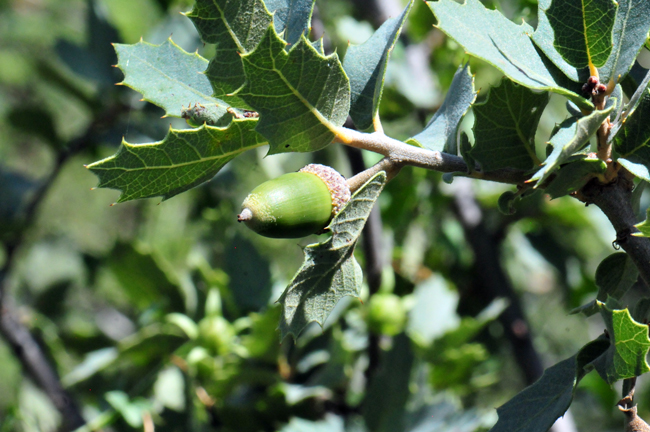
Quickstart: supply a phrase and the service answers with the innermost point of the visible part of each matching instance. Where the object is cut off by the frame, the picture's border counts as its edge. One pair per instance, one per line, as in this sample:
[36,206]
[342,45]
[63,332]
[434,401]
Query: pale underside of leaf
[630,29]
[490,36]
[440,132]
[302,96]
[169,77]
[365,66]
[181,161]
[330,270]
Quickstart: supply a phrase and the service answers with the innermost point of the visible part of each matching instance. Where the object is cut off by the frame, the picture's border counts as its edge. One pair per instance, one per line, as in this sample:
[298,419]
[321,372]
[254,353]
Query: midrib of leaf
[634,150]
[304,101]
[520,134]
[617,54]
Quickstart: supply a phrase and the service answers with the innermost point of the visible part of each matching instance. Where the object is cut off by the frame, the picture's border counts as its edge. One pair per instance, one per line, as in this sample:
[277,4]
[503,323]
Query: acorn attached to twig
[296,204]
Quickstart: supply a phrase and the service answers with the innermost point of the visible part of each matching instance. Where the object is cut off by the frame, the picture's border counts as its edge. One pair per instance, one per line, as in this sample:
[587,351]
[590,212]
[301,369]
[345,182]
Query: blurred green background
[163,315]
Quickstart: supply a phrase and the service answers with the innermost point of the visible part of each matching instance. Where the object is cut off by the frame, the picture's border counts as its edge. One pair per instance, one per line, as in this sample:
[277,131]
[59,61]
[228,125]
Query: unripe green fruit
[296,204]
[216,334]
[386,314]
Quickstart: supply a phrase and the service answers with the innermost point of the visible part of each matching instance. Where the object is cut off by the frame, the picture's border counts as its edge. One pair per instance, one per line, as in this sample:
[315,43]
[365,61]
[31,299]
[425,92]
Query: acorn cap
[335,182]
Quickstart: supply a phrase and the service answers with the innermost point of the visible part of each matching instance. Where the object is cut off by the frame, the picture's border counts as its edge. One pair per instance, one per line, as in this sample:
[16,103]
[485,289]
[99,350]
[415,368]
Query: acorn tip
[245,215]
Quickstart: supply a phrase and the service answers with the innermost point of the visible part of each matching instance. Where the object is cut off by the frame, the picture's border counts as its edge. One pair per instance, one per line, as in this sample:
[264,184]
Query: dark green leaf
[630,29]
[440,132]
[490,36]
[302,96]
[632,144]
[169,77]
[365,66]
[537,407]
[236,27]
[291,17]
[181,161]
[505,126]
[330,270]
[574,175]
[572,136]
[629,345]
[576,34]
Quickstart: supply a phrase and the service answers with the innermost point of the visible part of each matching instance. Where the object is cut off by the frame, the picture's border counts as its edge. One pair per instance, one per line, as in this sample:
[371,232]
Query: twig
[400,154]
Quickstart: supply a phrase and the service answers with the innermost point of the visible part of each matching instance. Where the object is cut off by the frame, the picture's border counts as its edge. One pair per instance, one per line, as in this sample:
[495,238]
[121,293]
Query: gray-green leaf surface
[505,125]
[302,96]
[365,66]
[292,17]
[630,29]
[440,132]
[169,77]
[490,36]
[236,27]
[330,270]
[181,161]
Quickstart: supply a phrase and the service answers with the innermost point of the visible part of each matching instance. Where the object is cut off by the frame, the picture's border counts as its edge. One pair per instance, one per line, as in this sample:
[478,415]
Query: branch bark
[614,200]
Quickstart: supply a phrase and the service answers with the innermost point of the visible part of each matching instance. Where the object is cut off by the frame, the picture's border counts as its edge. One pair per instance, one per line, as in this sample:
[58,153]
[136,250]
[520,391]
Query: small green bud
[296,204]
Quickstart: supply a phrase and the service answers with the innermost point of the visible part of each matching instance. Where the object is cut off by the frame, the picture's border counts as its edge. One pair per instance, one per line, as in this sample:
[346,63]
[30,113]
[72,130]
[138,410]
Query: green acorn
[296,204]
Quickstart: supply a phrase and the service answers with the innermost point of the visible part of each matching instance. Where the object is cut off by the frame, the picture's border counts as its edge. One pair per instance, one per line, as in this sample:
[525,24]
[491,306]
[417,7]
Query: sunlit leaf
[169,77]
[236,27]
[490,36]
[630,29]
[365,66]
[302,96]
[576,34]
[184,159]
[440,132]
[629,345]
[291,17]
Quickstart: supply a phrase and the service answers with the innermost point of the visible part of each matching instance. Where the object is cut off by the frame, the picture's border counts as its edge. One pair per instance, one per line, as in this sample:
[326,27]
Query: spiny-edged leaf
[505,125]
[301,95]
[643,227]
[538,406]
[291,17]
[576,34]
[629,345]
[169,77]
[572,136]
[330,270]
[575,175]
[490,36]
[440,132]
[184,159]
[365,66]
[633,144]
[236,27]
[630,29]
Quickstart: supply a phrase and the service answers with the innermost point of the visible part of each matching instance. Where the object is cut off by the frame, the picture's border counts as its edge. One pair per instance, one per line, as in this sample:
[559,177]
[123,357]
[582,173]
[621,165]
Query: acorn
[296,204]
